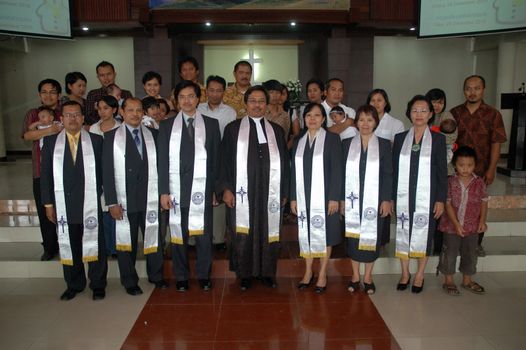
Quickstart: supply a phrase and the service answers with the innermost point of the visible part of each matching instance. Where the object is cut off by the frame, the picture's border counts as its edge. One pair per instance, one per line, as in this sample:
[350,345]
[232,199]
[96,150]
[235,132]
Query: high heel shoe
[355,286]
[369,288]
[416,289]
[403,286]
[302,286]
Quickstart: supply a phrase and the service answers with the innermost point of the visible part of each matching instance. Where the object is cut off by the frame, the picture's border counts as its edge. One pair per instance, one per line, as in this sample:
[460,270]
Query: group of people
[215,161]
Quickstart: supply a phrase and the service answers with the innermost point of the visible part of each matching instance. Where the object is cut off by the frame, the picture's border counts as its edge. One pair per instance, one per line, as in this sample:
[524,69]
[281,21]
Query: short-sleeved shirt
[467,202]
[94,96]
[30,118]
[348,111]
[234,98]
[223,113]
[282,119]
[389,127]
[478,131]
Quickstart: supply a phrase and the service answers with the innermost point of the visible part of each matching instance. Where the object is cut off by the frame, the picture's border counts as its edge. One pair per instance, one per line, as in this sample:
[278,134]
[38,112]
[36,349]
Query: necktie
[137,140]
[73,147]
[191,128]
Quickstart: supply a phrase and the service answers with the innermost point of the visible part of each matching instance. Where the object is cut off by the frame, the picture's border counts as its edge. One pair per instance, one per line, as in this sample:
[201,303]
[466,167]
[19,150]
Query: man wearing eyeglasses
[254,185]
[49,93]
[188,155]
[71,183]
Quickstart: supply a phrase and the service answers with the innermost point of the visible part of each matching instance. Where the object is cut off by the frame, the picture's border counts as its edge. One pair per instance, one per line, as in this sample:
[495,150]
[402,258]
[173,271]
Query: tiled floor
[32,317]
[260,318]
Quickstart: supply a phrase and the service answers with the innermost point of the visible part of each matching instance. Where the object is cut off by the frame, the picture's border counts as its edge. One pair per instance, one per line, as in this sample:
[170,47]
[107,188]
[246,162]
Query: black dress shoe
[416,289]
[268,282]
[320,290]
[135,290]
[162,284]
[302,286]
[69,294]
[99,294]
[181,286]
[205,284]
[47,256]
[246,283]
[403,286]
[221,247]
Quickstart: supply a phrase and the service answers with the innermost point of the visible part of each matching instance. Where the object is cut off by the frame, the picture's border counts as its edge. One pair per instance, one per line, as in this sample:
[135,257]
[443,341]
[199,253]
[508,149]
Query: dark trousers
[481,237]
[126,260]
[203,246]
[75,275]
[47,228]
[109,233]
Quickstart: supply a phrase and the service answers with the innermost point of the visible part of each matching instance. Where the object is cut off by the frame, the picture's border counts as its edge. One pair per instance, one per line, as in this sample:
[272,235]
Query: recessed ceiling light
[85,28]
[293,23]
[412,29]
[208,24]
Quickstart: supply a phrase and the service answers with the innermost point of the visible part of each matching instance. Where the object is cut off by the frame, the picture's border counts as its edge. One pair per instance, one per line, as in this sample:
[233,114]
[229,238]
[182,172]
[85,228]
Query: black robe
[385,177]
[332,187]
[438,178]
[251,254]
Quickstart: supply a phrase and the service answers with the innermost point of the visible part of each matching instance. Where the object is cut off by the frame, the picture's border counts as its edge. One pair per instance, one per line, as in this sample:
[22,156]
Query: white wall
[21,72]
[406,66]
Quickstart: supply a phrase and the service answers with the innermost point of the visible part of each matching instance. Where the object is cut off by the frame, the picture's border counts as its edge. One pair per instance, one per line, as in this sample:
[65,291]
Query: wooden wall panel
[101,10]
[393,10]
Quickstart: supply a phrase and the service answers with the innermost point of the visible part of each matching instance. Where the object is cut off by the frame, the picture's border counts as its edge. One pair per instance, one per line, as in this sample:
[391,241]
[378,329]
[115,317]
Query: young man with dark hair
[188,163]
[106,75]
[49,92]
[480,127]
[215,108]
[189,70]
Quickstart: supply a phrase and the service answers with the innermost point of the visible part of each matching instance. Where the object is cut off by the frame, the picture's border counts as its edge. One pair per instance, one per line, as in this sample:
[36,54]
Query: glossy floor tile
[260,318]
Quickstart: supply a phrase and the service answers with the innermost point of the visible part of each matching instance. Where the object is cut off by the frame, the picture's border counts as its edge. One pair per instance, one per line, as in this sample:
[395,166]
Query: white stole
[242,203]
[366,229]
[122,229]
[90,244]
[196,222]
[417,245]
[317,247]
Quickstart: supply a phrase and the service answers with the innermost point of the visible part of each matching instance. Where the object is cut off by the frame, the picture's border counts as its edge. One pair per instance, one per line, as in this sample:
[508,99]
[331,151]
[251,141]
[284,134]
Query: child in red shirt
[466,208]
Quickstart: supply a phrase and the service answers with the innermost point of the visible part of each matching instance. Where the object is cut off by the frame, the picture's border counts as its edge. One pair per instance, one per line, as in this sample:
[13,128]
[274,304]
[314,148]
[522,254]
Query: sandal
[474,287]
[369,288]
[450,289]
[353,286]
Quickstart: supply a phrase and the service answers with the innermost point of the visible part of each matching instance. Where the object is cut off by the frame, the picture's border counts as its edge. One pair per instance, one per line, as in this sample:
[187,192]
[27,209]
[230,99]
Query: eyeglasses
[72,115]
[45,92]
[415,111]
[186,97]
[259,102]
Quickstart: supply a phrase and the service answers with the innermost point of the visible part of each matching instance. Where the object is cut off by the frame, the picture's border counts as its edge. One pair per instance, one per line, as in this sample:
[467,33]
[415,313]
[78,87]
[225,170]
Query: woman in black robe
[366,122]
[419,111]
[314,116]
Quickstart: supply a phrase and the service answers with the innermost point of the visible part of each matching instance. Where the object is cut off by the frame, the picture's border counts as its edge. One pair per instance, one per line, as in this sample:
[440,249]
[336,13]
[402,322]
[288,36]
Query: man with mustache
[254,185]
[234,94]
[480,127]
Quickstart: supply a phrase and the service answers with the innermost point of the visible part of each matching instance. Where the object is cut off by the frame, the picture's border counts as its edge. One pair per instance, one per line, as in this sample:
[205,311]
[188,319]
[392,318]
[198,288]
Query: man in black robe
[251,255]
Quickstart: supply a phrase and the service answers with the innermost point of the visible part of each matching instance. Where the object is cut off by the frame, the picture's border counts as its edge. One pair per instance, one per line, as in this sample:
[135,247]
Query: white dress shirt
[223,113]
[389,127]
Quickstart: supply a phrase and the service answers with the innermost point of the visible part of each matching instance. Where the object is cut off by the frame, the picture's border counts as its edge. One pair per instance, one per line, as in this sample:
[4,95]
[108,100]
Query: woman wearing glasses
[420,189]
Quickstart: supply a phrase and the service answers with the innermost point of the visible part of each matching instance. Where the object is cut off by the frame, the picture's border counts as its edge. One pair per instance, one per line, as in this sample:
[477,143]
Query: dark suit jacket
[136,172]
[187,155]
[73,176]
[438,169]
